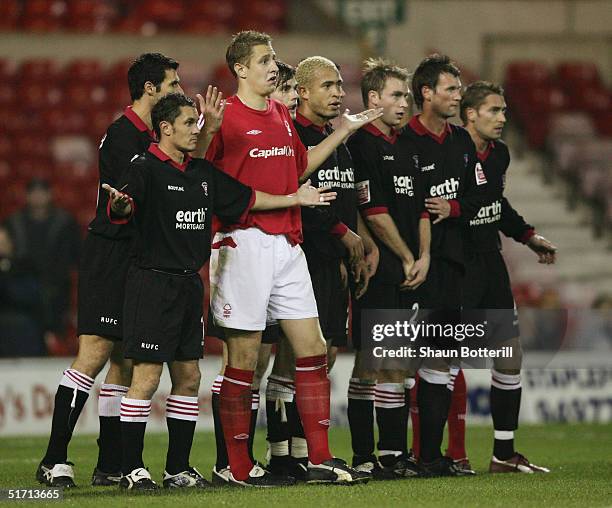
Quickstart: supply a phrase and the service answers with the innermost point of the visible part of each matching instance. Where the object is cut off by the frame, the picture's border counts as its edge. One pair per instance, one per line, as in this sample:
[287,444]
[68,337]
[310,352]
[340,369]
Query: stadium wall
[562,394]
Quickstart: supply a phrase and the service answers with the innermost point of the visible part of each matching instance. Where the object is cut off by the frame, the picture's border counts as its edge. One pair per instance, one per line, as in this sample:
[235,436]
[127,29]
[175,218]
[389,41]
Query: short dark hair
[241,47]
[168,109]
[376,71]
[285,73]
[148,67]
[428,72]
[476,94]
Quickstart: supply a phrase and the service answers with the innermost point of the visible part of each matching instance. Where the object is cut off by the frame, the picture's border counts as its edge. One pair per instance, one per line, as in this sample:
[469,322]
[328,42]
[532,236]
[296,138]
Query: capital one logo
[275,151]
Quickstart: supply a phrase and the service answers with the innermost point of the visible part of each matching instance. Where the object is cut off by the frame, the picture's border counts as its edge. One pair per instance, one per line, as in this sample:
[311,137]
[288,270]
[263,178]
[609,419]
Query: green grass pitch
[580,457]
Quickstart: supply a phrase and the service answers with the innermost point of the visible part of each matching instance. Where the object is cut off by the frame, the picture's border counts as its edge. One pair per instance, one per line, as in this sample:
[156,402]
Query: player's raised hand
[546,251]
[311,196]
[438,206]
[121,204]
[353,122]
[212,107]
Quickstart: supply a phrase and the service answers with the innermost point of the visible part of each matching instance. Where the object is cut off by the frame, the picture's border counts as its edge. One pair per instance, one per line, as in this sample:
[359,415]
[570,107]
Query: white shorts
[257,278]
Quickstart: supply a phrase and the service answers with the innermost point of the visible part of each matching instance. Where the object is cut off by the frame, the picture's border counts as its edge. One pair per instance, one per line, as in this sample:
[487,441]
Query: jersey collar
[375,131]
[164,157]
[304,122]
[421,130]
[137,121]
[483,156]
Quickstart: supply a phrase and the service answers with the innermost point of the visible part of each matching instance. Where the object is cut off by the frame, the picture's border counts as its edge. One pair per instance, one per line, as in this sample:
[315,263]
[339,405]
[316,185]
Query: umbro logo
[325,423]
[388,157]
[242,436]
[254,132]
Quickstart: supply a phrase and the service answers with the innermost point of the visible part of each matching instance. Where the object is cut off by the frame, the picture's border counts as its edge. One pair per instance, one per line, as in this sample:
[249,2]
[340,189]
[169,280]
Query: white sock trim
[505,381]
[254,400]
[503,435]
[135,410]
[280,449]
[280,388]
[216,386]
[109,400]
[74,379]
[362,389]
[389,395]
[182,407]
[435,377]
[299,448]
[409,383]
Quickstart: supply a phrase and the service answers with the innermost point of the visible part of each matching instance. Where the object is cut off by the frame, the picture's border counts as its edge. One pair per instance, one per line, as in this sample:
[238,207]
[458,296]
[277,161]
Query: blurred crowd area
[55,113]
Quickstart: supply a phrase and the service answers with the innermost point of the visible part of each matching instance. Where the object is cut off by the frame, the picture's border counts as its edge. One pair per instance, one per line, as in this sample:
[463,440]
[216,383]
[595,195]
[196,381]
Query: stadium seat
[577,74]
[10,11]
[91,15]
[37,69]
[85,70]
[39,95]
[84,95]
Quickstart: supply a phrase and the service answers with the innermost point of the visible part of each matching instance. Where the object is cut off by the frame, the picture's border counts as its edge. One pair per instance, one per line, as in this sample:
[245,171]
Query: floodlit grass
[580,457]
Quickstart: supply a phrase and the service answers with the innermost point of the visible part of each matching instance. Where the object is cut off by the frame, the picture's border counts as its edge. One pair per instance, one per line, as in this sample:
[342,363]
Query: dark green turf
[580,457]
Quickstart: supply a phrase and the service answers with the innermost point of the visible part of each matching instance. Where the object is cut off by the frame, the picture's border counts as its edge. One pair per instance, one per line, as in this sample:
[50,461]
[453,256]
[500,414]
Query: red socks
[312,397]
[456,419]
[235,412]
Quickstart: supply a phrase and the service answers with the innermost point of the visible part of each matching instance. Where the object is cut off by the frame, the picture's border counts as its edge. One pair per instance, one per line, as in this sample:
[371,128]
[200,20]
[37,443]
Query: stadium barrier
[559,393]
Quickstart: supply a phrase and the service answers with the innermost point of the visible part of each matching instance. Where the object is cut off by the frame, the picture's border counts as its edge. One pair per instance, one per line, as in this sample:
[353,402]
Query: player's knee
[189,384]
[244,359]
[93,354]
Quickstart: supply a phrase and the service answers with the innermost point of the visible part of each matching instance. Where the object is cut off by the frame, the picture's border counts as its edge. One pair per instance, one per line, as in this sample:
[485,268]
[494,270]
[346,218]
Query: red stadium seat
[9,14]
[8,93]
[85,69]
[38,95]
[212,11]
[91,15]
[527,73]
[603,123]
[38,69]
[575,74]
[84,95]
[33,145]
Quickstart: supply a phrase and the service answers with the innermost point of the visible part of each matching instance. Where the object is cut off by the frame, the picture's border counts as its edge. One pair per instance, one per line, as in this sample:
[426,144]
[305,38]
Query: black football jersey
[497,213]
[451,171]
[126,138]
[322,226]
[173,208]
[389,181]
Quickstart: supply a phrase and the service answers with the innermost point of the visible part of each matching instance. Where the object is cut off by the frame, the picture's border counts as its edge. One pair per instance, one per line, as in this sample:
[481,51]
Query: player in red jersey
[259,272]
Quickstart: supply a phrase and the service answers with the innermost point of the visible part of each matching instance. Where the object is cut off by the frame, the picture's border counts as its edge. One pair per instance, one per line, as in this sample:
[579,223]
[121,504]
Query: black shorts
[486,286]
[163,316]
[270,335]
[442,300]
[381,296]
[102,273]
[331,297]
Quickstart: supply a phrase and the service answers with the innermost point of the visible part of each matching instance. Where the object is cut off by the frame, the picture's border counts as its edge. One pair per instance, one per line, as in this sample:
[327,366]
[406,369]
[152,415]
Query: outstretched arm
[120,204]
[349,124]
[306,195]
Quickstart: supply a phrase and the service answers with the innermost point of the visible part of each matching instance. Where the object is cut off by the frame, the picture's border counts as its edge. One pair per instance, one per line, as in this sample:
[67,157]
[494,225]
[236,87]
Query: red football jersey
[261,149]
